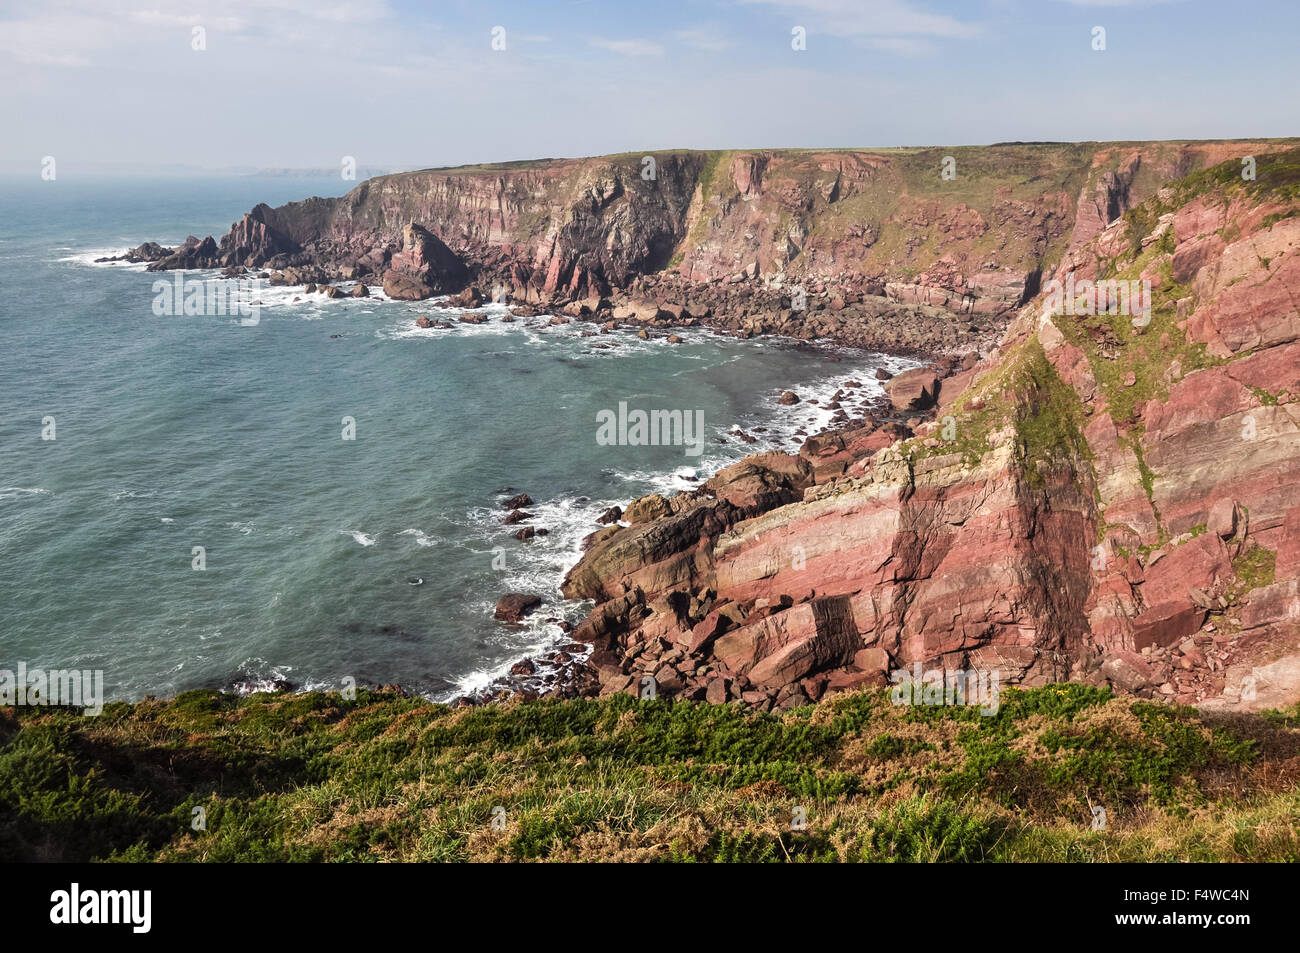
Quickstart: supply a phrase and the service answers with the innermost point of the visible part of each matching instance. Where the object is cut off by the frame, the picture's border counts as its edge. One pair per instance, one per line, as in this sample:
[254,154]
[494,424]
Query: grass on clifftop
[1024,393]
[384,777]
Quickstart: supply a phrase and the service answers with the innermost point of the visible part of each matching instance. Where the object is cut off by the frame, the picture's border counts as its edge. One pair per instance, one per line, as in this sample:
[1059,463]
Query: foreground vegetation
[385,777]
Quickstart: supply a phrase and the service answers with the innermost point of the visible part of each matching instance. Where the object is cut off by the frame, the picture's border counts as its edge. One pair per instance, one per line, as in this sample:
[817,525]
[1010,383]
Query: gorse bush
[315,777]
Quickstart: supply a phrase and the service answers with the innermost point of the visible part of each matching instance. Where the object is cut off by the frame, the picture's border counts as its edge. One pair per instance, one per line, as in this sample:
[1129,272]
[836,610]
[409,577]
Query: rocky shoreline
[1075,495]
[760,482]
[653,308]
[855,315]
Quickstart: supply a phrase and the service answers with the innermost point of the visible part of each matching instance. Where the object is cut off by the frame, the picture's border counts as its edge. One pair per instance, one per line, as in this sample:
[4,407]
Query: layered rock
[424,267]
[882,235]
[1107,497]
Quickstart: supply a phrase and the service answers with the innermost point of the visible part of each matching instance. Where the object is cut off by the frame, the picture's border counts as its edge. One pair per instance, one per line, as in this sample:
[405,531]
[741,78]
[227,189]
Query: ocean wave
[362,538]
[15,492]
[545,639]
[258,675]
[87,256]
[537,332]
[421,538]
[537,565]
[134,495]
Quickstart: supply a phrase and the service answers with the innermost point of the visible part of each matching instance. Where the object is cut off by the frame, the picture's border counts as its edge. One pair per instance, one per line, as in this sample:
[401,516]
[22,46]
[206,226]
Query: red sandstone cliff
[1100,498]
[885,235]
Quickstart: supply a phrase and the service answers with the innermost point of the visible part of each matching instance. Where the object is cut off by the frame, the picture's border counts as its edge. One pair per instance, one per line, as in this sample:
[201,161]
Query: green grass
[315,777]
[1254,569]
[705,183]
[1025,393]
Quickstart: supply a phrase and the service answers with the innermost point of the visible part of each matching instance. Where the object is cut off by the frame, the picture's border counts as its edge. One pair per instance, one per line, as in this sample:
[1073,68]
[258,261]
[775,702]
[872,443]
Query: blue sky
[397,83]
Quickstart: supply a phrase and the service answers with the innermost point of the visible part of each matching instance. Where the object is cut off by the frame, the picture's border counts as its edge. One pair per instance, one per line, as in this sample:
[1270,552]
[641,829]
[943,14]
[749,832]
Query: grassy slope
[315,777]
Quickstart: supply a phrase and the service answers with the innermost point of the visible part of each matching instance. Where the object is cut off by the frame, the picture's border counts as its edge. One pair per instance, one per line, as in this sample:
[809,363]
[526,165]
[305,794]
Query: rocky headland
[1057,496]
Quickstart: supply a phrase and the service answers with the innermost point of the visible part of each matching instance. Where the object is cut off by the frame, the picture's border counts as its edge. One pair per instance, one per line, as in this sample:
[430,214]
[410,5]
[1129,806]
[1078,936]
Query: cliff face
[1095,498]
[1107,497]
[971,236]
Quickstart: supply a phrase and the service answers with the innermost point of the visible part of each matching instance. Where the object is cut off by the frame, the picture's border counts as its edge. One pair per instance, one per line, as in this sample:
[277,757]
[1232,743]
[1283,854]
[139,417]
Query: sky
[398,84]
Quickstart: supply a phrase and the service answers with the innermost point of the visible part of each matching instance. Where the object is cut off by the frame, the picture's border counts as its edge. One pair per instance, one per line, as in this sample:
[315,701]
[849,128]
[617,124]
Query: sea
[315,496]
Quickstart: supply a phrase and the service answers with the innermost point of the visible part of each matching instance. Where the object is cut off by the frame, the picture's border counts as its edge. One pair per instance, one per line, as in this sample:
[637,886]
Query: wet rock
[514,606]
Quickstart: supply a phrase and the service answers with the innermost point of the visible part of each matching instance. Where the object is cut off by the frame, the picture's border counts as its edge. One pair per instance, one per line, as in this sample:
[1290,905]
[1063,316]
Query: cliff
[1095,498]
[1105,497]
[874,237]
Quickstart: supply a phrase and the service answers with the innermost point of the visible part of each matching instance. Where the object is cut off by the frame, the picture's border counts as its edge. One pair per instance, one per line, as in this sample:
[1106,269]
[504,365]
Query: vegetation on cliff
[388,777]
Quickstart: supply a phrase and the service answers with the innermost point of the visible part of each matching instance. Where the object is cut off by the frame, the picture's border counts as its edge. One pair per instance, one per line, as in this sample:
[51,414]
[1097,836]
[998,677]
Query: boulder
[647,508]
[913,390]
[424,267]
[513,606]
[1128,670]
[715,693]
[403,286]
[1222,520]
[781,649]
[762,481]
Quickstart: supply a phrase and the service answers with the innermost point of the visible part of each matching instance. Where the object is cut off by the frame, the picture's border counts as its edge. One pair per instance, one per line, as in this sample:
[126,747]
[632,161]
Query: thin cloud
[902,45]
[627,47]
[857,18]
[1117,3]
[707,38]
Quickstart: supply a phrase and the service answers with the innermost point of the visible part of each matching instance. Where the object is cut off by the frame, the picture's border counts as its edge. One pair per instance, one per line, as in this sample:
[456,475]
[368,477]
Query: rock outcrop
[1109,497]
[424,267]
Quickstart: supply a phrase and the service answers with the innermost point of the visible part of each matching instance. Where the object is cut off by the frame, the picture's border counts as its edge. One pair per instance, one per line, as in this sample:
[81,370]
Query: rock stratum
[1096,499]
